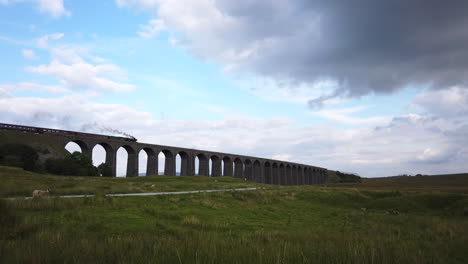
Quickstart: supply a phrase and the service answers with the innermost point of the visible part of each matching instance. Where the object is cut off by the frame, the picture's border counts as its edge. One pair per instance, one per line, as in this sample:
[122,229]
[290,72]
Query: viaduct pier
[250,168]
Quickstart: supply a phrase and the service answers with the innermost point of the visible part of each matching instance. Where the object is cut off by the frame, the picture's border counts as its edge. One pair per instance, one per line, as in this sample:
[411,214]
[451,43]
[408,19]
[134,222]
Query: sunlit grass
[307,224]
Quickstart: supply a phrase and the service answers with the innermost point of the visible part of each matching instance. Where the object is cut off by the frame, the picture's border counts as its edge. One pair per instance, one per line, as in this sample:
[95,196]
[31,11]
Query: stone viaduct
[249,168]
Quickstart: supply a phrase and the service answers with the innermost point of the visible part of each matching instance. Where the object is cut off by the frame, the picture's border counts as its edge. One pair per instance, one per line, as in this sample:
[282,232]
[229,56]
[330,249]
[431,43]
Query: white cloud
[54,8]
[82,75]
[408,144]
[43,42]
[153,27]
[435,156]
[29,54]
[4,93]
[451,102]
[143,4]
[307,42]
[343,115]
[76,69]
[33,87]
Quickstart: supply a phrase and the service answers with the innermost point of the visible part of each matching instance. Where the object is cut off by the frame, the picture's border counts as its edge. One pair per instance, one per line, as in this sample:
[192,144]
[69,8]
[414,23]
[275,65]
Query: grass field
[395,220]
[16,182]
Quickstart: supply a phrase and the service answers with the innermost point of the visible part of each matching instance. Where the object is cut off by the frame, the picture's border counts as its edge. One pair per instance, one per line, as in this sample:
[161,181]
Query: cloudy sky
[372,87]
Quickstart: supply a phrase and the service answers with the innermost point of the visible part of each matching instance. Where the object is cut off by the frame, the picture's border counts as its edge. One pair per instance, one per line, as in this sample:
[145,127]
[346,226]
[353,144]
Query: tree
[18,155]
[105,170]
[76,164]
[348,177]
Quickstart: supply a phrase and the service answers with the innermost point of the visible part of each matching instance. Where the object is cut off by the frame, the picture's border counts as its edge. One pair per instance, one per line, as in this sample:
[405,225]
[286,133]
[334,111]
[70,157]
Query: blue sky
[213,75]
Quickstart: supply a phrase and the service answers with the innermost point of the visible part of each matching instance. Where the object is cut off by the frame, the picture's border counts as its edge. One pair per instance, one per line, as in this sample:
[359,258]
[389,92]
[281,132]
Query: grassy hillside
[443,183]
[16,182]
[367,223]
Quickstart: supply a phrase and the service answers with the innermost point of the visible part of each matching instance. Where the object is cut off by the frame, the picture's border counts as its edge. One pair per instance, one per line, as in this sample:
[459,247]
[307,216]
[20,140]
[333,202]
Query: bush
[18,155]
[348,177]
[105,170]
[76,164]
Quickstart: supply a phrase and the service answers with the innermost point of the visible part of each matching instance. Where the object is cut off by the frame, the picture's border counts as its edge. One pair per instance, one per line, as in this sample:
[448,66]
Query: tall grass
[284,225]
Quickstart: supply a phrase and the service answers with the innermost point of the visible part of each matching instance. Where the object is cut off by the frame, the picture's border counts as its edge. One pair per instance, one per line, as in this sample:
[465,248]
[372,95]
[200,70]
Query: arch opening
[72,146]
[167,162]
[121,166]
[79,146]
[184,164]
[178,161]
[104,157]
[148,162]
[196,165]
[142,163]
[127,162]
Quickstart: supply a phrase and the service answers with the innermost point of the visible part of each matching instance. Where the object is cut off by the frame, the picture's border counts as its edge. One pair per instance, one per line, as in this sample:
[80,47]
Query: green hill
[377,221]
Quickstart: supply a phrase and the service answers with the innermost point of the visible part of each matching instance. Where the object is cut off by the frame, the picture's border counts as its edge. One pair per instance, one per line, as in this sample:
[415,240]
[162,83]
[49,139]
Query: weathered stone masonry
[243,167]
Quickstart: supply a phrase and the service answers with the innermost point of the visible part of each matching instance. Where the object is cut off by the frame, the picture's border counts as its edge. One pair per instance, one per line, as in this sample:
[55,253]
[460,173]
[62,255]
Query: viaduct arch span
[250,168]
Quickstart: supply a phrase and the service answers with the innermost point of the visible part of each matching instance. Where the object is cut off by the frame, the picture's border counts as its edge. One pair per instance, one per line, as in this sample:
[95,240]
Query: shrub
[18,155]
[348,177]
[76,164]
[105,170]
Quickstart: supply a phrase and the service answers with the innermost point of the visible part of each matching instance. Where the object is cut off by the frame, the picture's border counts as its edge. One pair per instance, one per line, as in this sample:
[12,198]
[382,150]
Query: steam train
[41,130]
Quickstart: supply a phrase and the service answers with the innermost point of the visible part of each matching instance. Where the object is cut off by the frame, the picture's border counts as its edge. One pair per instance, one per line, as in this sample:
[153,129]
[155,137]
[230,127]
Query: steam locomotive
[41,130]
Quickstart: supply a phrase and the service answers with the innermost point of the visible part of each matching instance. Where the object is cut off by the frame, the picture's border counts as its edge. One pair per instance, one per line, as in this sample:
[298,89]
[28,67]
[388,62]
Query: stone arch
[300,175]
[238,168]
[110,156]
[314,176]
[84,148]
[311,175]
[227,166]
[203,164]
[324,176]
[257,171]
[169,162]
[267,173]
[248,170]
[132,161]
[215,166]
[306,176]
[151,161]
[293,175]
[288,175]
[274,173]
[282,174]
[184,164]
